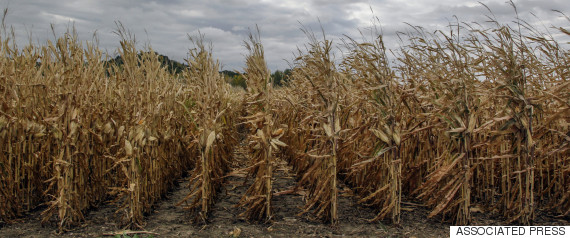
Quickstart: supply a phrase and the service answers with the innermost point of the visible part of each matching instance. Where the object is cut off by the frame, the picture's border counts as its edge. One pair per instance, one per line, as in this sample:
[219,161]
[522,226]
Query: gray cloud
[166,24]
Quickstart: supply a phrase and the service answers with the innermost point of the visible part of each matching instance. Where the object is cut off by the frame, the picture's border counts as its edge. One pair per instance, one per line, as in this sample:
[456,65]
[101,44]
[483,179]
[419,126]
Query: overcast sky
[166,24]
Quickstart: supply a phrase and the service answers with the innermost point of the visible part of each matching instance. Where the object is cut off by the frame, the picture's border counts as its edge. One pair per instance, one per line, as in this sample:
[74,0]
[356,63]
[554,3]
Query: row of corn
[476,121]
[76,132]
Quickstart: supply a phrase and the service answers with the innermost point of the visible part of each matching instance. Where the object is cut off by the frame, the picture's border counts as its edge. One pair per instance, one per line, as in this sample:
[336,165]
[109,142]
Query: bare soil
[169,220]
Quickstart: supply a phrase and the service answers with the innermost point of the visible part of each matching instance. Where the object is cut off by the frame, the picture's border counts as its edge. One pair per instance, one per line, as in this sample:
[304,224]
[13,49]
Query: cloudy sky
[166,24]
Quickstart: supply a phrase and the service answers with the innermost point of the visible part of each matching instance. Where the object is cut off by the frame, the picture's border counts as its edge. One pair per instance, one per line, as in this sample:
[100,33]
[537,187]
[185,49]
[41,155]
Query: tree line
[234,78]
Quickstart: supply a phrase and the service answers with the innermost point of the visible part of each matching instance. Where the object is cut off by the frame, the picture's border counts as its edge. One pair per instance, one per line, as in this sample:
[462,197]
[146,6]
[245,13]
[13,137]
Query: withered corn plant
[91,135]
[214,109]
[370,69]
[263,140]
[69,77]
[551,136]
[513,86]
[484,147]
[448,186]
[530,85]
[22,129]
[318,167]
[152,133]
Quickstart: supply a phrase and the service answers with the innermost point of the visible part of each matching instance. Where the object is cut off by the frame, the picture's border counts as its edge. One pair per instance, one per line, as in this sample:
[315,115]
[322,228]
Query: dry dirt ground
[169,220]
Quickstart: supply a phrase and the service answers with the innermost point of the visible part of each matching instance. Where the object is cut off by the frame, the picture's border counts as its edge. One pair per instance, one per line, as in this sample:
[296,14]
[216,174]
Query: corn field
[470,117]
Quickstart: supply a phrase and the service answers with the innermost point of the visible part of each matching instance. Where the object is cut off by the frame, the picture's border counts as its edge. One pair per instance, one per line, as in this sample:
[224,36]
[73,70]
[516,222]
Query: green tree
[280,77]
